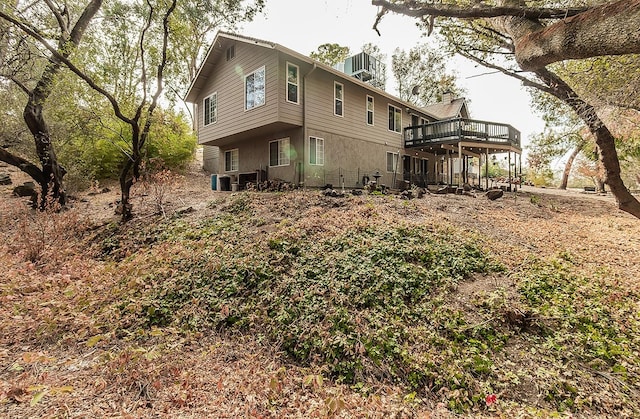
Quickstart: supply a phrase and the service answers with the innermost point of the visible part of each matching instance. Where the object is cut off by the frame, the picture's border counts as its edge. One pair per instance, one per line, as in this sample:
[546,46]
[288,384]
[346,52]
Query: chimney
[447,97]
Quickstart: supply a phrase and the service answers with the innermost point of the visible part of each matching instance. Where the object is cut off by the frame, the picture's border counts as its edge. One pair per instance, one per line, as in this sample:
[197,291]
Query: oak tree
[523,39]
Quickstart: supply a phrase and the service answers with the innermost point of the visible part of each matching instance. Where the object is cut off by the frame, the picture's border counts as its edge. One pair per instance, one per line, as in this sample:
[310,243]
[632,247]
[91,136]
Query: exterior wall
[291,113]
[320,111]
[253,154]
[228,80]
[211,158]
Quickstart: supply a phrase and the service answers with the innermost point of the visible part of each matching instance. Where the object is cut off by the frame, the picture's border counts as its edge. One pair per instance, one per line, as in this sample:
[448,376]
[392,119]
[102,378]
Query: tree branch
[18,83]
[577,33]
[476,12]
[56,12]
[525,81]
[35,35]
[22,164]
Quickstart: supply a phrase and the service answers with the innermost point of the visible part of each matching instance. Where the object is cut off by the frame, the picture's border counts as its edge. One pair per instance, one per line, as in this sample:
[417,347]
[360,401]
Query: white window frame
[337,99]
[370,111]
[318,151]
[394,161]
[283,149]
[235,163]
[231,52]
[296,84]
[213,113]
[397,125]
[264,89]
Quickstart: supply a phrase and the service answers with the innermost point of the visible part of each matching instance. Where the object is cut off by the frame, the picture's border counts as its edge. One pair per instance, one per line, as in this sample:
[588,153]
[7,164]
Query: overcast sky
[304,25]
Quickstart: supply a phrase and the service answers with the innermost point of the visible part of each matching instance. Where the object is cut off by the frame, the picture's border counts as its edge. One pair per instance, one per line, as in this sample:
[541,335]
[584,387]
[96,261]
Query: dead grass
[61,355]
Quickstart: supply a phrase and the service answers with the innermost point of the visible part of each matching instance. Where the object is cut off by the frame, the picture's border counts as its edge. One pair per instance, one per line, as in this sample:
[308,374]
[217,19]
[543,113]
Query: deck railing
[461,129]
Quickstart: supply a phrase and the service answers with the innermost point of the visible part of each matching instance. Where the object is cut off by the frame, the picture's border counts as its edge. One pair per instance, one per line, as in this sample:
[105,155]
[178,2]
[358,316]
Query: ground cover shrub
[587,322]
[366,303]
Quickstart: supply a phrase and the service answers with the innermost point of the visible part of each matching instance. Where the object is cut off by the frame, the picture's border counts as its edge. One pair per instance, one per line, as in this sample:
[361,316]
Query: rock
[419,192]
[28,189]
[494,194]
[442,191]
[332,193]
[186,210]
[356,192]
[5,179]
[466,187]
[406,194]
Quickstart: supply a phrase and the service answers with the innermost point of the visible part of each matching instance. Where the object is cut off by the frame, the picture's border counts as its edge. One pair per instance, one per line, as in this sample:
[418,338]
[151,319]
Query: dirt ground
[223,377]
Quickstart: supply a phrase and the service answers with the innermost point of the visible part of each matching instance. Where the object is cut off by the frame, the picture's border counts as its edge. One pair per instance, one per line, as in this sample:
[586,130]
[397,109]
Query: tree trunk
[50,178]
[568,165]
[51,186]
[604,139]
[599,184]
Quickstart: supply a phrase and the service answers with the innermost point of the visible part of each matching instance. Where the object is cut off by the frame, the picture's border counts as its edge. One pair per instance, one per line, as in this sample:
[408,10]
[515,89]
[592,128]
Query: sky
[304,25]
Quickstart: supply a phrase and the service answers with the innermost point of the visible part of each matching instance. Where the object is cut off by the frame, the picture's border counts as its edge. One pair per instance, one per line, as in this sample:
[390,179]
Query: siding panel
[228,81]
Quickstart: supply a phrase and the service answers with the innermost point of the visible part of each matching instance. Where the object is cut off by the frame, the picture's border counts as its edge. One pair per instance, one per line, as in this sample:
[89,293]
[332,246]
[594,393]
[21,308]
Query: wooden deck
[494,136]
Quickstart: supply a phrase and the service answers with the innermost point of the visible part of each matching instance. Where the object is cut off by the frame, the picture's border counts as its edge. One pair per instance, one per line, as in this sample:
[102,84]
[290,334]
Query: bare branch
[22,164]
[525,81]
[448,10]
[35,35]
[59,18]
[18,83]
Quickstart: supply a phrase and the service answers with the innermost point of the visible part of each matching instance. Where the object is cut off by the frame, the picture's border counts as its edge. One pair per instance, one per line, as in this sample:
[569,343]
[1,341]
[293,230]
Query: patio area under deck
[462,139]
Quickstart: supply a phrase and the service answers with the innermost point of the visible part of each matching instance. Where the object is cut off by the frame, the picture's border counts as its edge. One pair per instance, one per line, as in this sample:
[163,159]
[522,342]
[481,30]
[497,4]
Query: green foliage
[360,302]
[99,152]
[421,75]
[583,321]
[330,54]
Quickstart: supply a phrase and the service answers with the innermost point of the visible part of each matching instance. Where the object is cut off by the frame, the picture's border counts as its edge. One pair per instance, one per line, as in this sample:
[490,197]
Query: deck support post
[486,171]
[509,164]
[460,176]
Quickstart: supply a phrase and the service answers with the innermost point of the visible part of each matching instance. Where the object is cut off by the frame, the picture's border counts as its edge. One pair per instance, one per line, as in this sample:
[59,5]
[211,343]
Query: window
[338,96]
[211,109]
[292,83]
[231,160]
[369,110]
[316,151]
[279,152]
[254,84]
[392,162]
[231,52]
[395,119]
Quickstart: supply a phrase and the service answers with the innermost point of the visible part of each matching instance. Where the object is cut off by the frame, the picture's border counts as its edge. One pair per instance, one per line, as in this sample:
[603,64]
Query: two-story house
[265,111]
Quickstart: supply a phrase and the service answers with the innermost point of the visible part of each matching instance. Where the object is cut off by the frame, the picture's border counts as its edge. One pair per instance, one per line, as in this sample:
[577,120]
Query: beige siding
[354,122]
[253,154]
[211,158]
[289,112]
[228,80]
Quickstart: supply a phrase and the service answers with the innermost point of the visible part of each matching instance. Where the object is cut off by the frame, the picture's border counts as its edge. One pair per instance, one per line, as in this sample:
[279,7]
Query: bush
[98,152]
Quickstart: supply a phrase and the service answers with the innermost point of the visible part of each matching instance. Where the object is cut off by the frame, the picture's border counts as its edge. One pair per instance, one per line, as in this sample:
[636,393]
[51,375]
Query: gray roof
[447,110]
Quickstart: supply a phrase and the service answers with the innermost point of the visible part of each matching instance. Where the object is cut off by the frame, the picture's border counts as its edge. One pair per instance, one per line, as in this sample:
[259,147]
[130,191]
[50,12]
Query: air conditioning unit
[361,66]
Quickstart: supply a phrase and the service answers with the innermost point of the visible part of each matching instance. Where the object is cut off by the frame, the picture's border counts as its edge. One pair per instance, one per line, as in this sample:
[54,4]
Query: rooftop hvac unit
[361,66]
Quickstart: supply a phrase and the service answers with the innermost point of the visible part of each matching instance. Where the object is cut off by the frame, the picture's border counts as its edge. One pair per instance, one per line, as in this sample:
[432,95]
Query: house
[265,111]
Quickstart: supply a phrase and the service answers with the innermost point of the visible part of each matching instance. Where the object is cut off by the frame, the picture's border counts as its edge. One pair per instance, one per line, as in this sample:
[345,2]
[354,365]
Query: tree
[514,37]
[565,135]
[131,61]
[374,51]
[50,174]
[421,75]
[331,54]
